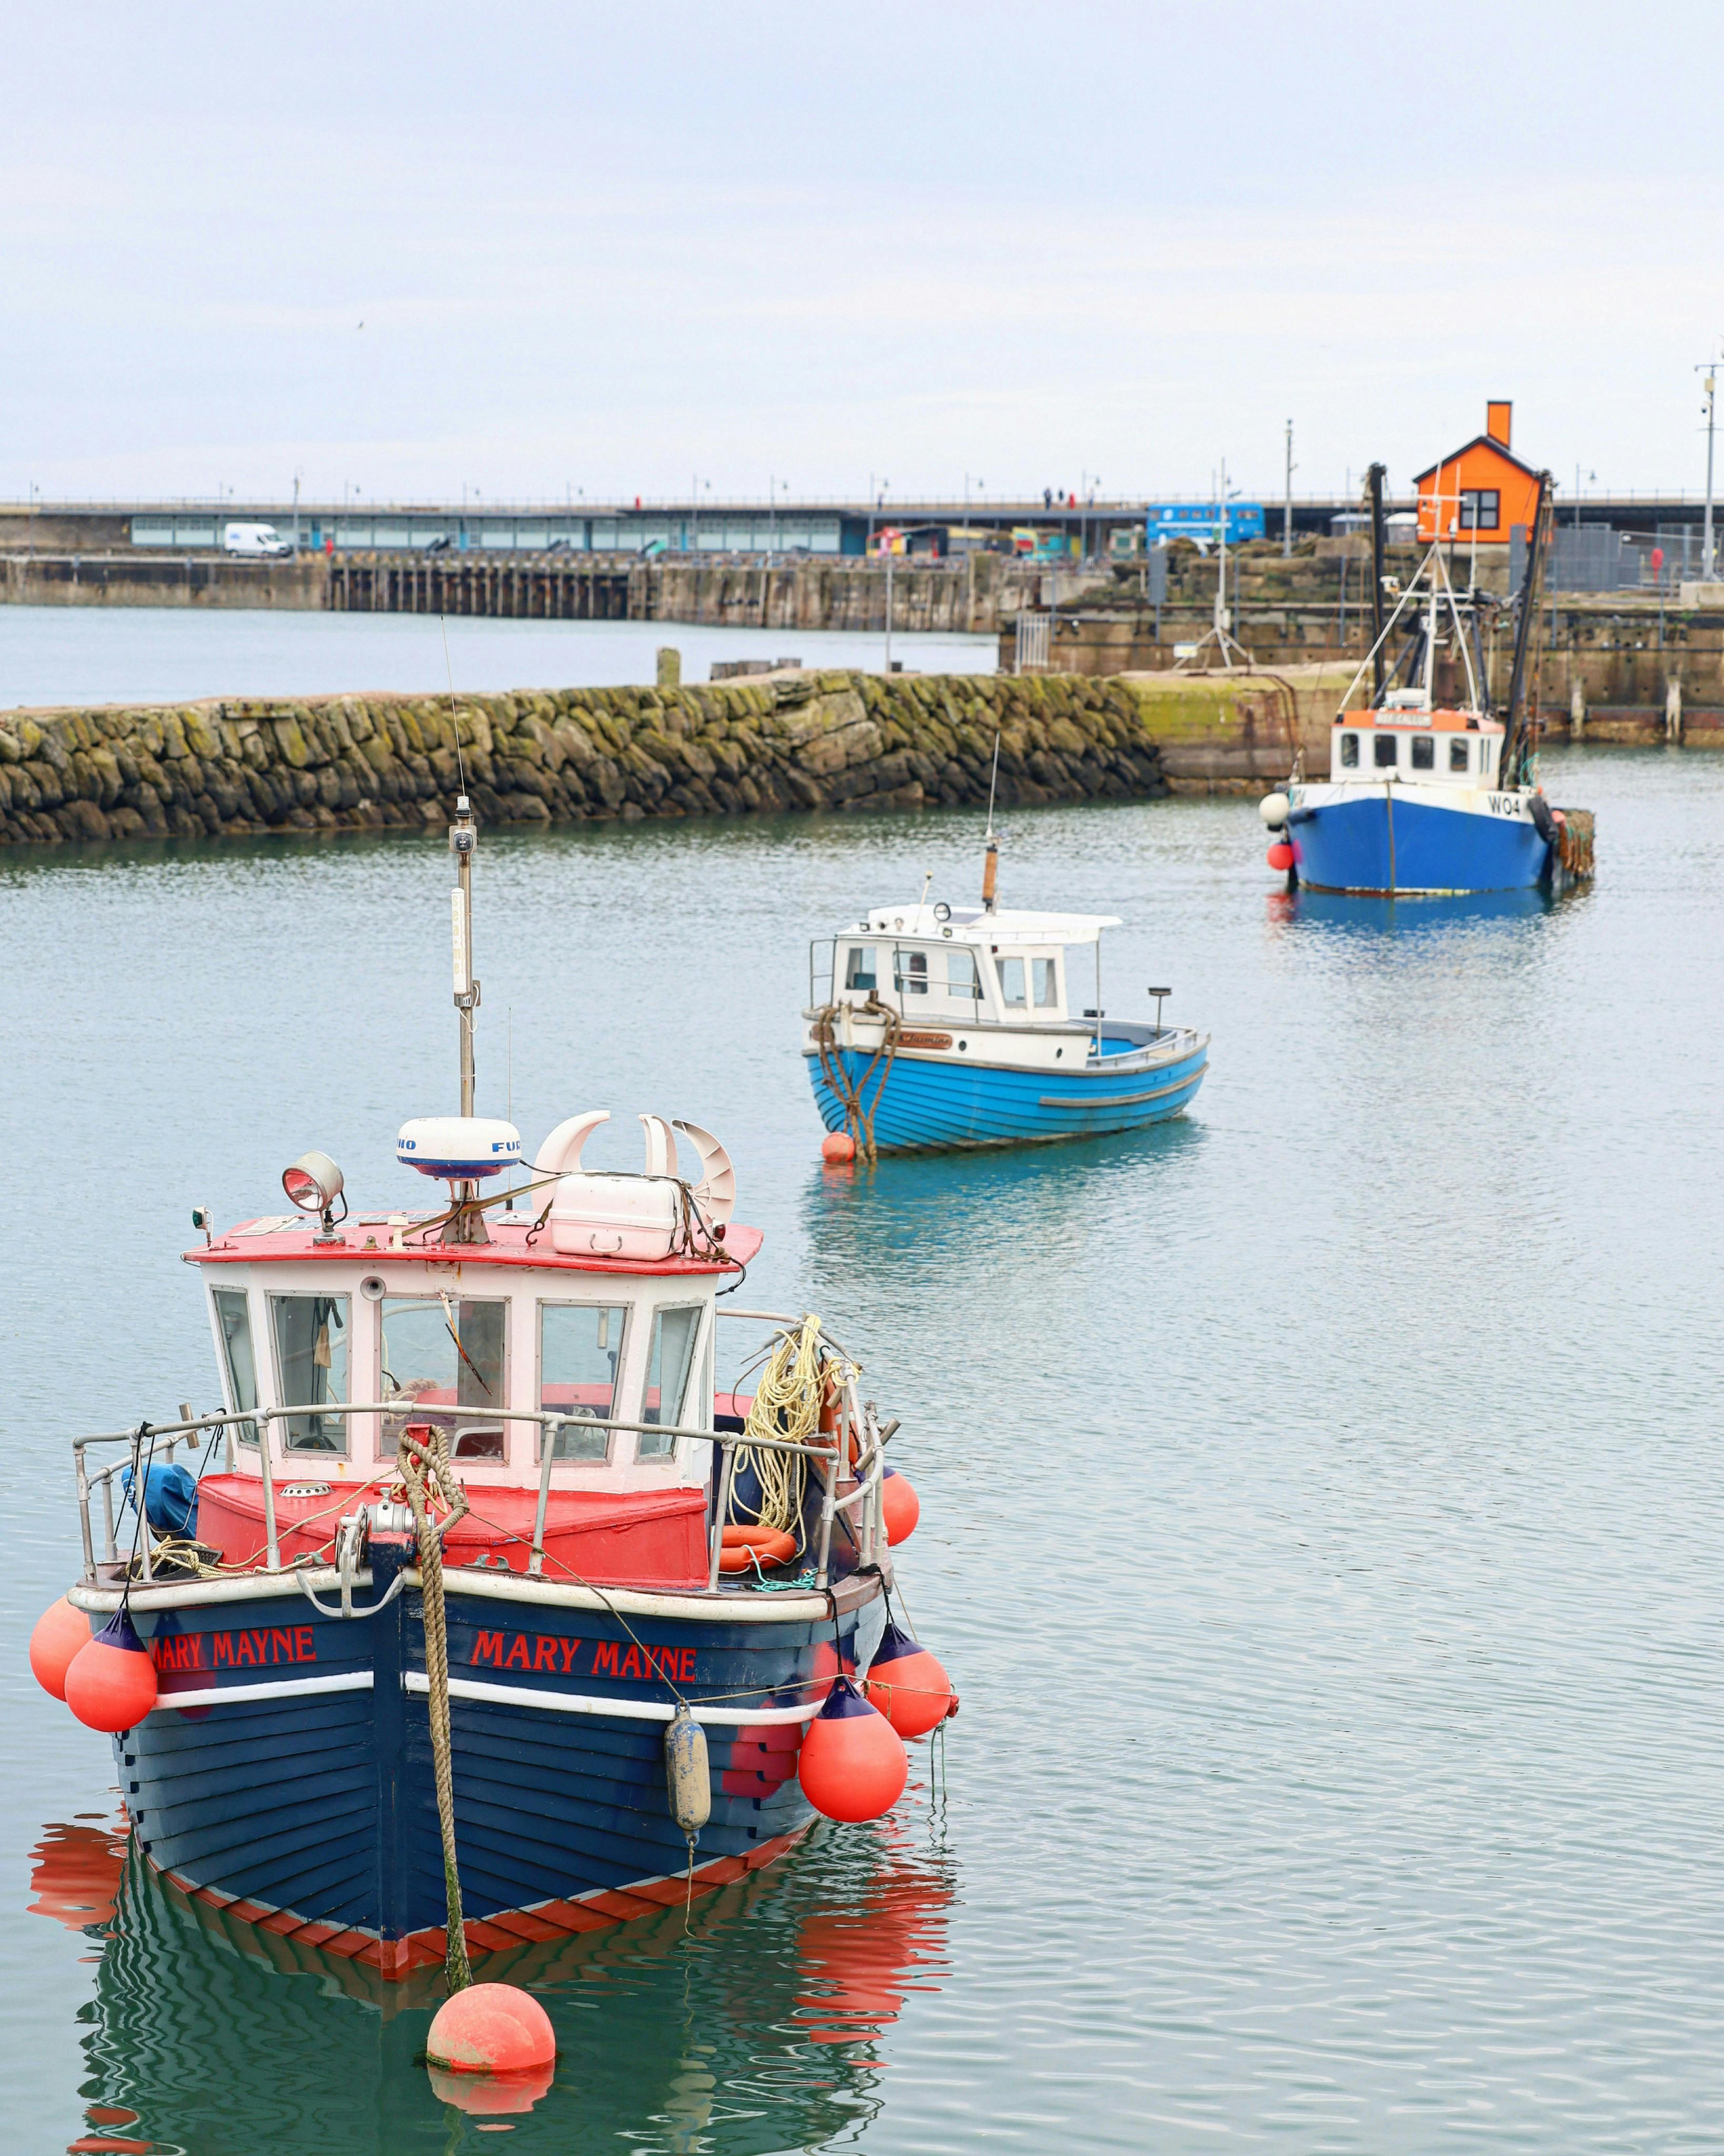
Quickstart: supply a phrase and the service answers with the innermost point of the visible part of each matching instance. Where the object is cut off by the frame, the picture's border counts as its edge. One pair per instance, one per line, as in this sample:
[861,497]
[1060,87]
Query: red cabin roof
[365,1240]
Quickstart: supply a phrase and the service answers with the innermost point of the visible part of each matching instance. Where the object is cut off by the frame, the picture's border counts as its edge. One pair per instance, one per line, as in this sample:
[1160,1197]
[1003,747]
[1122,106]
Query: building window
[1457,755]
[1382,752]
[1480,509]
[1349,751]
[1425,753]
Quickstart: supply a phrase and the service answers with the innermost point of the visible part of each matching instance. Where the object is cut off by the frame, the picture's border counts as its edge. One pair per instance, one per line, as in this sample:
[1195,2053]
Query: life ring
[740,1545]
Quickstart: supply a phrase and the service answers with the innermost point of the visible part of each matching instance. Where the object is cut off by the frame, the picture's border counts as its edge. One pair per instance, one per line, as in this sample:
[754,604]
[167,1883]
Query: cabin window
[1425,753]
[1012,983]
[311,1338]
[446,1355]
[910,971]
[580,1350]
[1043,976]
[669,1361]
[963,984]
[1457,755]
[1480,508]
[238,1364]
[1349,751]
[1383,747]
[861,967]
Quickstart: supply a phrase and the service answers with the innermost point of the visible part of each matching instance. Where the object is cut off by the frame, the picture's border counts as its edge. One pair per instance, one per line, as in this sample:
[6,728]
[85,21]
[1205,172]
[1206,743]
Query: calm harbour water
[1321,1514]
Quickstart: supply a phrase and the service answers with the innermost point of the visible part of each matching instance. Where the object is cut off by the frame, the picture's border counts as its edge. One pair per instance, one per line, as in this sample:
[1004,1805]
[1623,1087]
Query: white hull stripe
[633,1710]
[290,1688]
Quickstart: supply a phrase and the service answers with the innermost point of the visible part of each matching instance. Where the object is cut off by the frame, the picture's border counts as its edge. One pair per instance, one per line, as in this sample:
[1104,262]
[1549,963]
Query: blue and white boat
[1428,791]
[622,1544]
[946,1026]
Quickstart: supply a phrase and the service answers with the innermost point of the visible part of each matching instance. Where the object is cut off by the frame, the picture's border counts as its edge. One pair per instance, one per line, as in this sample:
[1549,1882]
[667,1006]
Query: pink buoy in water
[838,1147]
[491,2029]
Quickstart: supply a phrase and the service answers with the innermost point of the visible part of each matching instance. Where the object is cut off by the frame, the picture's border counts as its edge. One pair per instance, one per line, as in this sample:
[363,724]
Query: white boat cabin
[943,965]
[1406,742]
[548,1317]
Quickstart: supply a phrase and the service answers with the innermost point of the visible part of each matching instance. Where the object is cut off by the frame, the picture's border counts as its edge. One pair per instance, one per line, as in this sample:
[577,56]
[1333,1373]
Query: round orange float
[61,1633]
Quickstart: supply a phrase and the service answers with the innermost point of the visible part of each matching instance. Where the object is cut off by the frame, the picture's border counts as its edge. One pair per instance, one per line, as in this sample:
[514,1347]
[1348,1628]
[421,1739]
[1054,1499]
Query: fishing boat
[476,1577]
[1430,792]
[948,1026]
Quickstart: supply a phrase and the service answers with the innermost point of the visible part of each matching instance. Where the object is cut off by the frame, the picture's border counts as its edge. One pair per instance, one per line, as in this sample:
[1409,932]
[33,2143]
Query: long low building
[1089,529]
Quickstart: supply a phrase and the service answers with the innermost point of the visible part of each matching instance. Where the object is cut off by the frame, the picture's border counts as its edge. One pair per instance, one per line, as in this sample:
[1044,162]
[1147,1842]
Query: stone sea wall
[801,741]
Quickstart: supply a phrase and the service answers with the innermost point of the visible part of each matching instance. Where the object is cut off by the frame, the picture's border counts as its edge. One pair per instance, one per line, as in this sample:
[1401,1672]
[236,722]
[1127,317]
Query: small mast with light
[462,1150]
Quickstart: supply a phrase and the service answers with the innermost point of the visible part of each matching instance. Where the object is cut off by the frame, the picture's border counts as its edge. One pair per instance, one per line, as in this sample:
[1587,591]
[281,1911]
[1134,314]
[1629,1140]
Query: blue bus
[1200,520]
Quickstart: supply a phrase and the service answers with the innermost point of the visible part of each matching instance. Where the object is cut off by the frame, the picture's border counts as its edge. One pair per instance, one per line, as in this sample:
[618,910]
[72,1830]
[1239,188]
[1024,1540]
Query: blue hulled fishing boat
[1430,792]
[475,1546]
[945,1025]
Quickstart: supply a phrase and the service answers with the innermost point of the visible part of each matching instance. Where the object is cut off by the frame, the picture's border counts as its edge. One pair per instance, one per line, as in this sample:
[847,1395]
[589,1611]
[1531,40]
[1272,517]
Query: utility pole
[1708,565]
[1287,516]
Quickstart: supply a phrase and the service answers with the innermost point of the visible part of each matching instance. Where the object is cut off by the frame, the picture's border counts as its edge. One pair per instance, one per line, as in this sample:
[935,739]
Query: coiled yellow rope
[786,1403]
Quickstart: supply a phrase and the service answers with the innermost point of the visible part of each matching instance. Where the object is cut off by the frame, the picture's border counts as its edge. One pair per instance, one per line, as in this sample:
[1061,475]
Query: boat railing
[856,1422]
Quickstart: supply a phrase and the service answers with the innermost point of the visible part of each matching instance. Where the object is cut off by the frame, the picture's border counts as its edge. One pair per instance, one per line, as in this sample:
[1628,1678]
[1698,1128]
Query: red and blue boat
[629,1548]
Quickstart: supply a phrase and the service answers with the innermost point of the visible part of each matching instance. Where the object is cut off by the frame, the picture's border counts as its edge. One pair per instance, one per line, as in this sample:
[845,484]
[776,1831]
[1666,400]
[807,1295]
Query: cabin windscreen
[669,1361]
[239,1365]
[1021,979]
[580,1353]
[312,1337]
[447,1356]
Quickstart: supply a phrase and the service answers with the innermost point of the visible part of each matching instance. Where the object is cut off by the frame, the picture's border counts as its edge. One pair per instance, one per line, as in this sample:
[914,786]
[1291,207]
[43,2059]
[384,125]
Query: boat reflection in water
[751,2029]
[1372,915]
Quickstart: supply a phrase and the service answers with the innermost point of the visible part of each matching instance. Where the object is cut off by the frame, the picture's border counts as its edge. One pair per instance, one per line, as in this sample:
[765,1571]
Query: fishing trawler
[1429,792]
[940,1026]
[523,1404]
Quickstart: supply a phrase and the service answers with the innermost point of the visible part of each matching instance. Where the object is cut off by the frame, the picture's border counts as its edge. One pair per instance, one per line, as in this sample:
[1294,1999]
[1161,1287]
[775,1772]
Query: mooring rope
[858,1121]
[787,1404]
[423,1461]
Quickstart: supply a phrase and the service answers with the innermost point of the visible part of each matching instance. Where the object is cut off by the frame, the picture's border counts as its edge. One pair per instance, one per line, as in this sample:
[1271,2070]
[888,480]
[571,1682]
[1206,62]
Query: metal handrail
[727,1442]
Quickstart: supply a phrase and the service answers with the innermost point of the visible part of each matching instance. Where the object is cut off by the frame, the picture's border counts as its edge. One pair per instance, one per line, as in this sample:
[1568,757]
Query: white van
[253,539]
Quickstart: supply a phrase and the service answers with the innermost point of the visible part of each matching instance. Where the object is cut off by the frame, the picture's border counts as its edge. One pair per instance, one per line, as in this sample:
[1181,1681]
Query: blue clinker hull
[310,1804]
[924,1101]
[1384,840]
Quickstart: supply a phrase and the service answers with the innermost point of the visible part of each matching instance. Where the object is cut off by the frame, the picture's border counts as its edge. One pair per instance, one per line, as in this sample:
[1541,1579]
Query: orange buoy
[1280,856]
[838,1147]
[908,1685]
[110,1685]
[740,1545]
[899,1507]
[491,2029]
[61,1633]
[853,1765]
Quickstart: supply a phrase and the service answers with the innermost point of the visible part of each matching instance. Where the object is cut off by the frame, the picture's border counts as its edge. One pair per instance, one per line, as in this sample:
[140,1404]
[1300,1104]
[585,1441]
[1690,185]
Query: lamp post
[1287,513]
[1708,566]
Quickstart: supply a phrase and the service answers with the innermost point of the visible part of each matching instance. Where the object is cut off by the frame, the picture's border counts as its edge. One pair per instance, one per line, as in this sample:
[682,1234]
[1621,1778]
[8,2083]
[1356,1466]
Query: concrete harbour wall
[800,741]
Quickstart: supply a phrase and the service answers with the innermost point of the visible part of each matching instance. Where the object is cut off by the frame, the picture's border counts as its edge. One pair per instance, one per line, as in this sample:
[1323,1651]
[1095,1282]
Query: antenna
[468,1225]
[927,880]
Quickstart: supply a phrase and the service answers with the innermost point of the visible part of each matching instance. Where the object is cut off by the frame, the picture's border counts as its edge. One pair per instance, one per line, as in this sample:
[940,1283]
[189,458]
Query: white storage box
[616,1216]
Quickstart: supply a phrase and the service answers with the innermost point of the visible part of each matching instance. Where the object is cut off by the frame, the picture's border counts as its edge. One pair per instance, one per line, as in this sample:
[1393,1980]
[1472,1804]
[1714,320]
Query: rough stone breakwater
[803,740]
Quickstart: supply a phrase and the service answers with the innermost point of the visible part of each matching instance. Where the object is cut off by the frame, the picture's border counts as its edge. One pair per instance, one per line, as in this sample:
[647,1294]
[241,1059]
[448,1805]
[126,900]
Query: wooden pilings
[541,590]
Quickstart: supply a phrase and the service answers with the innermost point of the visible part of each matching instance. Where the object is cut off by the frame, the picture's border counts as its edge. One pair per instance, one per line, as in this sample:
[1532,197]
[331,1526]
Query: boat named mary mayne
[622,1547]
[956,1026]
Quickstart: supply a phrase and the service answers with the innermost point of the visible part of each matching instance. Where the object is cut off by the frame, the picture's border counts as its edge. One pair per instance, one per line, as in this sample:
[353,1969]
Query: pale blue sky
[608,247]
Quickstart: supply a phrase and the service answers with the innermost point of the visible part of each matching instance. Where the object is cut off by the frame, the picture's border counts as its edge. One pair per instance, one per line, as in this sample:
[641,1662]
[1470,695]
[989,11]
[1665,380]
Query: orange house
[1480,490]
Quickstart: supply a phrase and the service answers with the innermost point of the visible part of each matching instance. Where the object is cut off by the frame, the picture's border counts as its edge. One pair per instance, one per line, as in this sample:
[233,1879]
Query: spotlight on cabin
[313,1183]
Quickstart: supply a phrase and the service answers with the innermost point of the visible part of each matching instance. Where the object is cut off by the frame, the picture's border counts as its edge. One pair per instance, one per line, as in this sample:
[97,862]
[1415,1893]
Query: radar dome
[459,1149]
